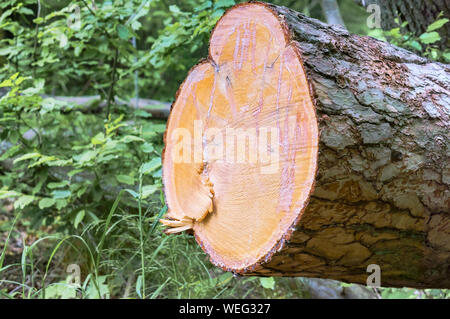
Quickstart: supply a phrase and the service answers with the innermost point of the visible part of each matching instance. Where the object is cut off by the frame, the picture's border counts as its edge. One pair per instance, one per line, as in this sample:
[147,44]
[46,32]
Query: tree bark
[382,190]
[381,193]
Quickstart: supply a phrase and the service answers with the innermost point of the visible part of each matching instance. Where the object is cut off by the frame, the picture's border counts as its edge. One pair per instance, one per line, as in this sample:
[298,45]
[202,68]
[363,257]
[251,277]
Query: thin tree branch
[36,36]
[113,82]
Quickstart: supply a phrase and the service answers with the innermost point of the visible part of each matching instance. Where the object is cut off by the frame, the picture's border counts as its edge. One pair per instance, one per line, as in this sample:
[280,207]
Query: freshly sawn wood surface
[361,153]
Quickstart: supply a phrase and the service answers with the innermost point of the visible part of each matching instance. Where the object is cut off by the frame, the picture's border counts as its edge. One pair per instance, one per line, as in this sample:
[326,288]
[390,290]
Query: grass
[126,255]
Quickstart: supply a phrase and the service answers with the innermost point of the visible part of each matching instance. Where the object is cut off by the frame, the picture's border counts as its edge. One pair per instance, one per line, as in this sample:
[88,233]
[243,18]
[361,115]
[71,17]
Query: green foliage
[85,180]
[73,46]
[75,163]
[409,293]
[180,44]
[91,177]
[267,282]
[427,44]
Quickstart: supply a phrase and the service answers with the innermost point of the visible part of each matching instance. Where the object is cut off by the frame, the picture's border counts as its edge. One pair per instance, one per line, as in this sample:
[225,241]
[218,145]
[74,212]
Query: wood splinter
[186,223]
[177,226]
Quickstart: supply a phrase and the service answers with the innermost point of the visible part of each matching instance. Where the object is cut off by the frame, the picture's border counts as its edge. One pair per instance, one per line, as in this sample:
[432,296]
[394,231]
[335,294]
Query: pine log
[362,133]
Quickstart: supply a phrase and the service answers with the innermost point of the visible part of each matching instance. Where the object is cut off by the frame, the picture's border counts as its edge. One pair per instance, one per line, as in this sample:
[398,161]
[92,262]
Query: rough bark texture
[382,189]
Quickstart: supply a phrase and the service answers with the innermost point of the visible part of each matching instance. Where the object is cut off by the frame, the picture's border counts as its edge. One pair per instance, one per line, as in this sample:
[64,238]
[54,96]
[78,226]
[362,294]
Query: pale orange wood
[242,208]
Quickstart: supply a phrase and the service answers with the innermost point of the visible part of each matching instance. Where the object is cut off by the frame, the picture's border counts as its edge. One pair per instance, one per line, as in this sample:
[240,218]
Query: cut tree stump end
[242,212]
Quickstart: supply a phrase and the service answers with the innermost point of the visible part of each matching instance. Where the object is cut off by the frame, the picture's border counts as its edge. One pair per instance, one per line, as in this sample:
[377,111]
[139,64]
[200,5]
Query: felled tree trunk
[362,132]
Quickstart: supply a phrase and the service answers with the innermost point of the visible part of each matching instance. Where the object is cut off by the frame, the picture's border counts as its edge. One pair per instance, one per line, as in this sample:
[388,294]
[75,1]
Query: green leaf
[139,286]
[63,40]
[7,194]
[85,157]
[446,55]
[78,49]
[174,9]
[78,218]
[74,172]
[99,289]
[6,83]
[132,138]
[123,32]
[132,193]
[94,219]
[57,185]
[203,6]
[224,279]
[147,190]
[437,24]
[82,190]
[151,166]
[26,11]
[135,25]
[223,3]
[430,37]
[46,202]
[129,180]
[147,148]
[42,177]
[142,113]
[98,139]
[415,45]
[23,201]
[60,290]
[26,157]
[60,194]
[12,151]
[156,222]
[43,160]
[399,293]
[267,282]
[61,203]
[395,33]
[157,174]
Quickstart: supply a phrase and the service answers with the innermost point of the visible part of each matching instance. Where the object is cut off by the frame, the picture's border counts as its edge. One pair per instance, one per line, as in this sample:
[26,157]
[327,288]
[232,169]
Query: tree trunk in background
[381,193]
[418,13]
[332,13]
